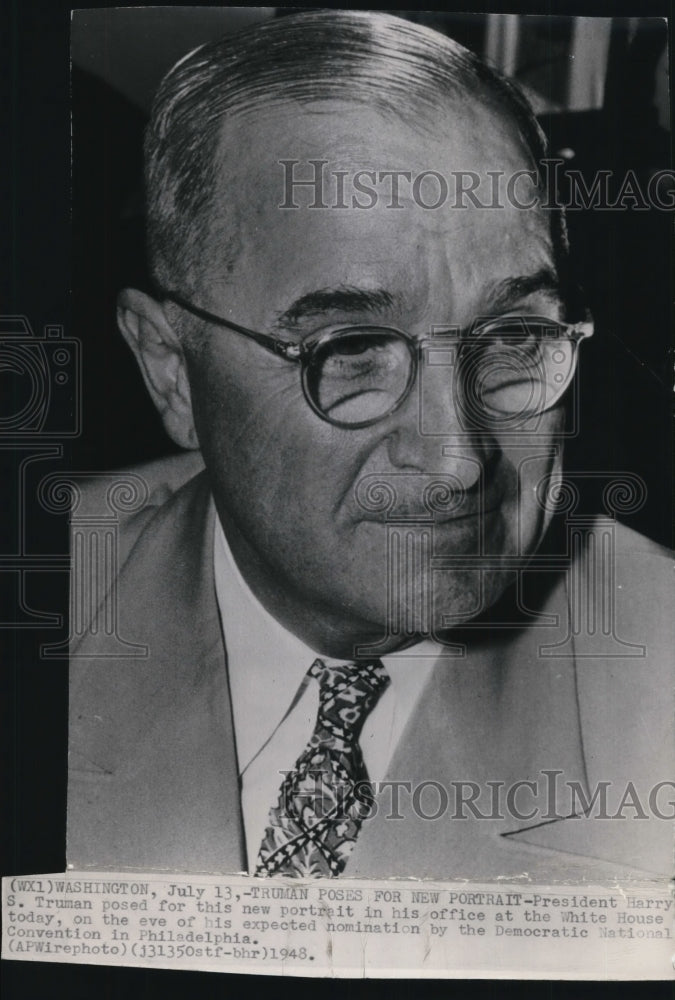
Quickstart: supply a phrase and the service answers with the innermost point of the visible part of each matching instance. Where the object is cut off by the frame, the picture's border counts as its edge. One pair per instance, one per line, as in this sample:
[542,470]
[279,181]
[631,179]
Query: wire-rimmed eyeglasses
[508,369]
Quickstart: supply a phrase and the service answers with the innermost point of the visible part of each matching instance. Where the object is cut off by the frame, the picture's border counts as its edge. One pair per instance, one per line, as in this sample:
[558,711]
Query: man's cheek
[537,476]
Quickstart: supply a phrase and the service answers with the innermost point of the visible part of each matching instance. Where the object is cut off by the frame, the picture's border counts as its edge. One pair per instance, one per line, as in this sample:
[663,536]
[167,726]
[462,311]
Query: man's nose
[428,435]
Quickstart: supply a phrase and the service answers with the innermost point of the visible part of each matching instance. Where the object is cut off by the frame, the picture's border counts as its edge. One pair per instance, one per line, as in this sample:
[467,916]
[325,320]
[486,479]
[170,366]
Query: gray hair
[400,67]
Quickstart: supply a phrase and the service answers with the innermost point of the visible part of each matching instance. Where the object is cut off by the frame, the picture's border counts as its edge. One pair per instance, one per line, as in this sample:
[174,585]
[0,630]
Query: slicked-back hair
[398,67]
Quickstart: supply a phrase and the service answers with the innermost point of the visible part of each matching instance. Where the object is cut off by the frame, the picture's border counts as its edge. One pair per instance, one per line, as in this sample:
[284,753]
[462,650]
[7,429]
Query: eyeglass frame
[303,351]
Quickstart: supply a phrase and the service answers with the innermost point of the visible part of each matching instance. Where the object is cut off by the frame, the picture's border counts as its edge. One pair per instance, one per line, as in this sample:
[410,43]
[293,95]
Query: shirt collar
[267,664]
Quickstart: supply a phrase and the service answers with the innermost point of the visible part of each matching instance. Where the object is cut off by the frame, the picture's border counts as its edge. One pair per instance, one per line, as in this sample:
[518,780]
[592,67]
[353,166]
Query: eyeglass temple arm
[580,331]
[575,331]
[291,352]
[294,352]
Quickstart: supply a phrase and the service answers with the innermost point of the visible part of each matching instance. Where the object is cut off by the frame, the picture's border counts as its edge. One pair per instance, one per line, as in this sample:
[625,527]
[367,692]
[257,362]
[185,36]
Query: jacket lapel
[510,712]
[153,771]
[499,715]
[623,657]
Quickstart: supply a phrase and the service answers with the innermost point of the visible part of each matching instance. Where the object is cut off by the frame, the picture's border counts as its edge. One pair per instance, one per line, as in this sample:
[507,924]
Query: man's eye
[512,337]
[354,345]
[511,331]
[519,337]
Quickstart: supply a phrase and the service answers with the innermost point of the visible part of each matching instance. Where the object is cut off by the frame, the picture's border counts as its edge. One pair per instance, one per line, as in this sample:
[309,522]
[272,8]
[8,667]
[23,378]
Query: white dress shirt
[275,704]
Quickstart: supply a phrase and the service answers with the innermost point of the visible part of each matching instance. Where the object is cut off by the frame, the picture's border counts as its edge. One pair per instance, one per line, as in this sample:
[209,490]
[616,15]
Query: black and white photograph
[343,471]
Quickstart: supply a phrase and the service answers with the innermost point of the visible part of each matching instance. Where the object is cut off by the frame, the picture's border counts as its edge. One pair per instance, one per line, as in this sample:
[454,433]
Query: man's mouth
[426,499]
[478,513]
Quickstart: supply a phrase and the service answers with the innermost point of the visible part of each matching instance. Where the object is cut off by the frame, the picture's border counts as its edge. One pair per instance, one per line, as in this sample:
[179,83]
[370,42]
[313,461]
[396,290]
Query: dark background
[63,263]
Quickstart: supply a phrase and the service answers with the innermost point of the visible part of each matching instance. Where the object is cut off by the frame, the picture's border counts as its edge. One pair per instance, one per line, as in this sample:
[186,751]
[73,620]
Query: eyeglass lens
[359,375]
[514,369]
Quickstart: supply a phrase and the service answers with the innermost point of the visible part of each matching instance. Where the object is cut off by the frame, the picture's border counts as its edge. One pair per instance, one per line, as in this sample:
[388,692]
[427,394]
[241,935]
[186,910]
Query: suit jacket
[153,777]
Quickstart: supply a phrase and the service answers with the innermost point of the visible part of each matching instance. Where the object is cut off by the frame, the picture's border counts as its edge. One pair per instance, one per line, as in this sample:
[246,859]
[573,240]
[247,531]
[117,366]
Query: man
[365,654]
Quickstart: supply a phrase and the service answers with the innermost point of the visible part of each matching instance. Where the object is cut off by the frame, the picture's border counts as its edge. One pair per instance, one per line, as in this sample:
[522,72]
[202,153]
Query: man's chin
[419,608]
[459,597]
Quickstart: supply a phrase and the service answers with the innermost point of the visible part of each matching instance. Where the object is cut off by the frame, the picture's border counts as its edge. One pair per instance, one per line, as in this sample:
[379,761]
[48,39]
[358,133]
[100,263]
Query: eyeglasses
[507,369]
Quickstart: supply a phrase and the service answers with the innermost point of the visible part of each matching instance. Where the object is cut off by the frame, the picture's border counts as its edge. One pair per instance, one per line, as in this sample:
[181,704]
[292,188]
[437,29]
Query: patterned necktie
[324,800]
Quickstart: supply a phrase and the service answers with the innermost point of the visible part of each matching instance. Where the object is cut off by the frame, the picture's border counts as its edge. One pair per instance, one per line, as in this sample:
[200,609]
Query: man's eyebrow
[508,292]
[345,298]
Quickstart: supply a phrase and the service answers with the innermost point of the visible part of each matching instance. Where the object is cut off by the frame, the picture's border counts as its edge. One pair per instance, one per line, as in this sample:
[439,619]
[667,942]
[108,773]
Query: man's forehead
[344,169]
[306,192]
[465,134]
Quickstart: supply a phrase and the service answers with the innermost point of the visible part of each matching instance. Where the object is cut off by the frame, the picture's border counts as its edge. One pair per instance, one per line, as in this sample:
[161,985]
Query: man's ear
[160,357]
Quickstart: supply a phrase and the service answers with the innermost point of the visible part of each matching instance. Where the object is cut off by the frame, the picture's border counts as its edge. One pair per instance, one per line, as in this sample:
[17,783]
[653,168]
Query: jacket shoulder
[624,640]
[642,573]
[632,541]
[130,497]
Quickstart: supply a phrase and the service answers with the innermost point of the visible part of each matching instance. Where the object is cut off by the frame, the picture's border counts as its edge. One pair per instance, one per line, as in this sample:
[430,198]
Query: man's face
[297,495]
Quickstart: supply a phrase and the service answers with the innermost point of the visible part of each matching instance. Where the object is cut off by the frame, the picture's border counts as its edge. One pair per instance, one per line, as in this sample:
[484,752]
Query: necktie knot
[347,693]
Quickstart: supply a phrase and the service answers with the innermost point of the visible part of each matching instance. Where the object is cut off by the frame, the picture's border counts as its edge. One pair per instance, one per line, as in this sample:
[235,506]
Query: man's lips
[467,508]
[427,497]
[465,516]
[435,517]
